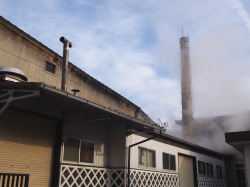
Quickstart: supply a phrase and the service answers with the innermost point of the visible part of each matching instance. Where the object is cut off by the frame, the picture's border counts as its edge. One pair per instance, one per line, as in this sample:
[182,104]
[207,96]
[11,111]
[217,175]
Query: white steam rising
[241,11]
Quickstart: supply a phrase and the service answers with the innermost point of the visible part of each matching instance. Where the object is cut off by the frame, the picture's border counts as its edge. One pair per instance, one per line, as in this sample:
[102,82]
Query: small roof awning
[66,101]
[238,139]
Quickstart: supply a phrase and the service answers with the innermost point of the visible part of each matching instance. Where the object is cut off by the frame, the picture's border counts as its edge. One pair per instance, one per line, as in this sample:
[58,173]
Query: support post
[57,155]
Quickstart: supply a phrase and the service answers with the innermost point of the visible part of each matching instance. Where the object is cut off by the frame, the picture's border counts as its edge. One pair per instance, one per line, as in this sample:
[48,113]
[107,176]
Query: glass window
[87,152]
[50,67]
[219,171]
[78,151]
[211,170]
[71,150]
[205,169]
[169,161]
[208,169]
[142,156]
[146,157]
[203,164]
[151,158]
[199,167]
[165,161]
[172,162]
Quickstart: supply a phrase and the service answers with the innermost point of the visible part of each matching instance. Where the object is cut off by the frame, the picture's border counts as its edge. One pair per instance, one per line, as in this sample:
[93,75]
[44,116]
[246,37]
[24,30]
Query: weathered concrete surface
[19,50]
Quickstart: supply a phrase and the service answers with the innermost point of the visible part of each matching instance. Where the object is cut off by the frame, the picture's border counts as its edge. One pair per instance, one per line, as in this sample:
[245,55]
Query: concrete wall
[19,50]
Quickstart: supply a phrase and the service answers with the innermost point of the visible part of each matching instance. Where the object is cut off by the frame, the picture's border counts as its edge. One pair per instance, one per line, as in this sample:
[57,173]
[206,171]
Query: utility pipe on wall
[128,185]
[66,45]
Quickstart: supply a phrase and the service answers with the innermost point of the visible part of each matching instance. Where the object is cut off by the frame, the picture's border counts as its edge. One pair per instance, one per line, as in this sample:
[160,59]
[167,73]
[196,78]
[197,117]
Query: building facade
[52,137]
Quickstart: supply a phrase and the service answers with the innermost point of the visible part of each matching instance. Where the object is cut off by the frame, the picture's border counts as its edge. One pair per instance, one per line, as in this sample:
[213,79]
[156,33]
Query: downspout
[129,155]
[66,45]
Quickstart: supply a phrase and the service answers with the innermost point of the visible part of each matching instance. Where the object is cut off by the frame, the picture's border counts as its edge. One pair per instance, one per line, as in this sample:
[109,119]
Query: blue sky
[132,46]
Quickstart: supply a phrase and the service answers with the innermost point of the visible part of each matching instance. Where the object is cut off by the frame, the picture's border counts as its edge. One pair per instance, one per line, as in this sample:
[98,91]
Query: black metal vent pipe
[66,45]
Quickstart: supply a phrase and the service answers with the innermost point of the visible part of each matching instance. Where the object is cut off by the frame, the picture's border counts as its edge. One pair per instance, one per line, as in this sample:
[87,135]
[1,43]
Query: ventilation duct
[10,74]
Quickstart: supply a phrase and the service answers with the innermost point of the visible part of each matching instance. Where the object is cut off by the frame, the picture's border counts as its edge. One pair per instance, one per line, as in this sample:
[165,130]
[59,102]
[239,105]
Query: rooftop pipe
[66,45]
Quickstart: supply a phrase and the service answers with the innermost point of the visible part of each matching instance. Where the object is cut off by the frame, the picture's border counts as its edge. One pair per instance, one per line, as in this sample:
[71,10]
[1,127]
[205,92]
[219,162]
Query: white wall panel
[160,147]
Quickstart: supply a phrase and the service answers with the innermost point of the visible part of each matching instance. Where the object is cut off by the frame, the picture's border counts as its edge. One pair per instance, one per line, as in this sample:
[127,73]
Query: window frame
[219,173]
[79,153]
[50,63]
[168,161]
[147,158]
[207,168]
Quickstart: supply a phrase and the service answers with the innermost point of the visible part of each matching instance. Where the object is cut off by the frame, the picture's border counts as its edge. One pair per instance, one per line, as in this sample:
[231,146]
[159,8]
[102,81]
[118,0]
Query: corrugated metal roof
[69,102]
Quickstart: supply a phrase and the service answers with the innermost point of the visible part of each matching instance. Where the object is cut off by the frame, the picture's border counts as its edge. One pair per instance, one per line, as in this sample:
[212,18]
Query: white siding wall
[162,147]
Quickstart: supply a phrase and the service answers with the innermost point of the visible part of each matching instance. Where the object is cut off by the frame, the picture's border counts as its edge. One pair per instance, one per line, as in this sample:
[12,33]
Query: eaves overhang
[69,102]
[238,139]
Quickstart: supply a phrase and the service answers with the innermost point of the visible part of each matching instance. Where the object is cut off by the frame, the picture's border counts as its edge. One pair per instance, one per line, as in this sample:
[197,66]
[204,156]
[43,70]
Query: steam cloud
[241,11]
[221,84]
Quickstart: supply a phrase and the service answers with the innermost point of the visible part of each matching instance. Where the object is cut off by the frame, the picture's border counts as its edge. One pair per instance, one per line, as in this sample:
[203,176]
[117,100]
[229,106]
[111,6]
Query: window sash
[203,164]
[219,171]
[165,157]
[151,158]
[172,162]
[142,157]
[87,152]
[211,170]
[169,162]
[208,169]
[71,150]
[50,67]
[146,157]
[199,167]
[79,151]
[205,169]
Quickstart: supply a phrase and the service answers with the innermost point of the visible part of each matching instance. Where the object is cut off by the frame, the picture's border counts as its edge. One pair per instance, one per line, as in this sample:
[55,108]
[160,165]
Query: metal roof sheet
[70,102]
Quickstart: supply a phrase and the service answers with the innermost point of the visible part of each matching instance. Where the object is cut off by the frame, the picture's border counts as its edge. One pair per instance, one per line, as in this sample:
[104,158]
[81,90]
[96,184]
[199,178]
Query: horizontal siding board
[161,147]
[26,144]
